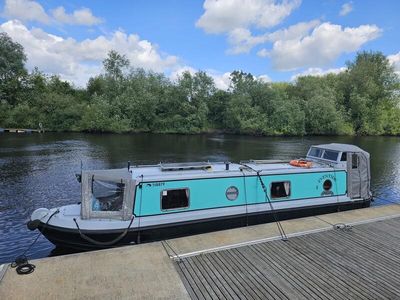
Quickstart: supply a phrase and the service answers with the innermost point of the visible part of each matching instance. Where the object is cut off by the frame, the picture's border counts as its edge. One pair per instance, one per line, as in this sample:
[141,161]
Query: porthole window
[232,193]
[327,185]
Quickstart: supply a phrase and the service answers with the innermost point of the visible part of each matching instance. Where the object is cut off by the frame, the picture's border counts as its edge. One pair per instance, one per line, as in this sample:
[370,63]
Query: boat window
[315,152]
[330,155]
[107,196]
[174,199]
[354,161]
[280,189]
[344,157]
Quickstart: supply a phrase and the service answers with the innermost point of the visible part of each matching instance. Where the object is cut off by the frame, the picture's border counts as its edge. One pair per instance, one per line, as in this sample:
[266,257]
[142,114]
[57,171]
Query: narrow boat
[154,202]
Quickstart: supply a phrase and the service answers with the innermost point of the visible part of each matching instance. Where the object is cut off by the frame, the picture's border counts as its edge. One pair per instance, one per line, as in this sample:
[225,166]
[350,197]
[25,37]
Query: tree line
[362,100]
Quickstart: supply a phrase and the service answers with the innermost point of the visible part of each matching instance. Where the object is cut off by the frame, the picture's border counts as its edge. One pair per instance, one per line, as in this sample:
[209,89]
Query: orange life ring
[300,163]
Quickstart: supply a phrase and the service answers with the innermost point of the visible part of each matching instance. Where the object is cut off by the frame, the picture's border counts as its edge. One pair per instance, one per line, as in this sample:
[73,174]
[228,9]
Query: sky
[275,40]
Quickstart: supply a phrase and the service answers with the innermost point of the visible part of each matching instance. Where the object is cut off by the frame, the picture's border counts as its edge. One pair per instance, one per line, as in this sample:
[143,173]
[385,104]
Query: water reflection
[38,170]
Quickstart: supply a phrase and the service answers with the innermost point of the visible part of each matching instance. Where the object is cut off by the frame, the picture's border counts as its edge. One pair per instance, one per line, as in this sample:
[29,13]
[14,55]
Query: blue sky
[274,40]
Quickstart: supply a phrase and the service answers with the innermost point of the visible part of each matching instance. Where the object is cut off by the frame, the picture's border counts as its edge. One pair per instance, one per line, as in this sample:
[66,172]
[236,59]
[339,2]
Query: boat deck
[362,263]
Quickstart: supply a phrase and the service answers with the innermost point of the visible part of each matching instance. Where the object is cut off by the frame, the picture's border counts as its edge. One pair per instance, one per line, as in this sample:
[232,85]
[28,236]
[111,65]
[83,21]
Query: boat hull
[72,239]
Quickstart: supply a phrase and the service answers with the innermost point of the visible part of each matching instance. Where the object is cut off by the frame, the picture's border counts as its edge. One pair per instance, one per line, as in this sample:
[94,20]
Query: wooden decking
[360,263]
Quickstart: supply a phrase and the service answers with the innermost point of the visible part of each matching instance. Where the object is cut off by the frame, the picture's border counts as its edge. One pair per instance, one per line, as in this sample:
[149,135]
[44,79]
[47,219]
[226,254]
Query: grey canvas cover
[358,169]
[359,176]
[107,194]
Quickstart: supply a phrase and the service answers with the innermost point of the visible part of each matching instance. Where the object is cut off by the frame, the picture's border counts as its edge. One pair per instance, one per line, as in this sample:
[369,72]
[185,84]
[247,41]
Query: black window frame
[282,197]
[186,189]
[354,166]
[343,157]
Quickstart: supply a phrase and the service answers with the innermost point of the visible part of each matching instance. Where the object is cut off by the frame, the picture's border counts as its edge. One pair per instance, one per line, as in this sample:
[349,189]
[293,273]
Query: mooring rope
[21,263]
[108,243]
[274,214]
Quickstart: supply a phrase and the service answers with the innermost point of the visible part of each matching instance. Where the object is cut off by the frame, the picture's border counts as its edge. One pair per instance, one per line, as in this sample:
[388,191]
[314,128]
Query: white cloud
[318,72]
[223,81]
[325,43]
[28,10]
[302,45]
[83,16]
[180,70]
[263,53]
[242,40]
[77,61]
[264,78]
[346,9]
[394,60]
[296,31]
[25,10]
[225,15]
[305,44]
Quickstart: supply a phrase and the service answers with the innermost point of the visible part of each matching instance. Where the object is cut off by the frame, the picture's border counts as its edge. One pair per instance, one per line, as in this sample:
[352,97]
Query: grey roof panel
[341,147]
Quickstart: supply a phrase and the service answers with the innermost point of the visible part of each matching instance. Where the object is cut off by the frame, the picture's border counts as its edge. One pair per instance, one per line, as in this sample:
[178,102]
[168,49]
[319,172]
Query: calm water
[38,170]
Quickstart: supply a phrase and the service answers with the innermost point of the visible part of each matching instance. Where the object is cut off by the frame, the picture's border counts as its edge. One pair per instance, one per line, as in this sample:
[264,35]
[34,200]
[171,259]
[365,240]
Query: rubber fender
[32,225]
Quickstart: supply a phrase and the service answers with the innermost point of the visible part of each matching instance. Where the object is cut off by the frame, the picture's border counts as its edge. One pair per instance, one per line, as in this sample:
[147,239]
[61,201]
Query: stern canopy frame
[358,168]
[123,184]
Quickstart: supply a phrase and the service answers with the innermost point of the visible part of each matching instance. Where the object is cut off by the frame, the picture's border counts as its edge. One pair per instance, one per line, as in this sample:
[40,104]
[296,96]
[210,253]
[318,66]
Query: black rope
[337,226]
[108,243]
[21,263]
[22,266]
[277,222]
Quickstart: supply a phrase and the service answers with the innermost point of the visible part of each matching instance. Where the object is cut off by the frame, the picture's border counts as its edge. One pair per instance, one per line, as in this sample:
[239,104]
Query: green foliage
[12,70]
[115,64]
[362,100]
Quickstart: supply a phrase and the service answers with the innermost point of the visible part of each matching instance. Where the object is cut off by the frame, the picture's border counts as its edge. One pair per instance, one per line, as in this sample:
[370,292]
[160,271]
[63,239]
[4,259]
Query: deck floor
[361,263]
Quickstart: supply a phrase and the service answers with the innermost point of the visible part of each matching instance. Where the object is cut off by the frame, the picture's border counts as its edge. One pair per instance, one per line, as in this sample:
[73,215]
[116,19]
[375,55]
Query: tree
[318,99]
[372,86]
[12,70]
[115,64]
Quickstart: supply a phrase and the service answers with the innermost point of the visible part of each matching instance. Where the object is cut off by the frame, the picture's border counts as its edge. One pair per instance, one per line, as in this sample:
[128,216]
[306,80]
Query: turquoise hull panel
[208,193]
[204,193]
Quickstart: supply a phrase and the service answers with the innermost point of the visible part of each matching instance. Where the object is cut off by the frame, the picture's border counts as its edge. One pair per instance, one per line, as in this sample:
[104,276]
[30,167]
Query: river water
[37,170]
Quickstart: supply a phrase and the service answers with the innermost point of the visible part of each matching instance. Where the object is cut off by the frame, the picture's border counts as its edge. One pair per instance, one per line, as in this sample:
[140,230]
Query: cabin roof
[156,173]
[341,147]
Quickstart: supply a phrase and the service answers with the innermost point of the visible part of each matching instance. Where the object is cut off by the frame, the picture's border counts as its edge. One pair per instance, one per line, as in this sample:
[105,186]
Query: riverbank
[188,267]
[203,132]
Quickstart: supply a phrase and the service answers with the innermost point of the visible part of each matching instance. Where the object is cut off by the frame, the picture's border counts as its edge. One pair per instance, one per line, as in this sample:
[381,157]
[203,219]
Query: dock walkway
[361,263]
[317,262]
